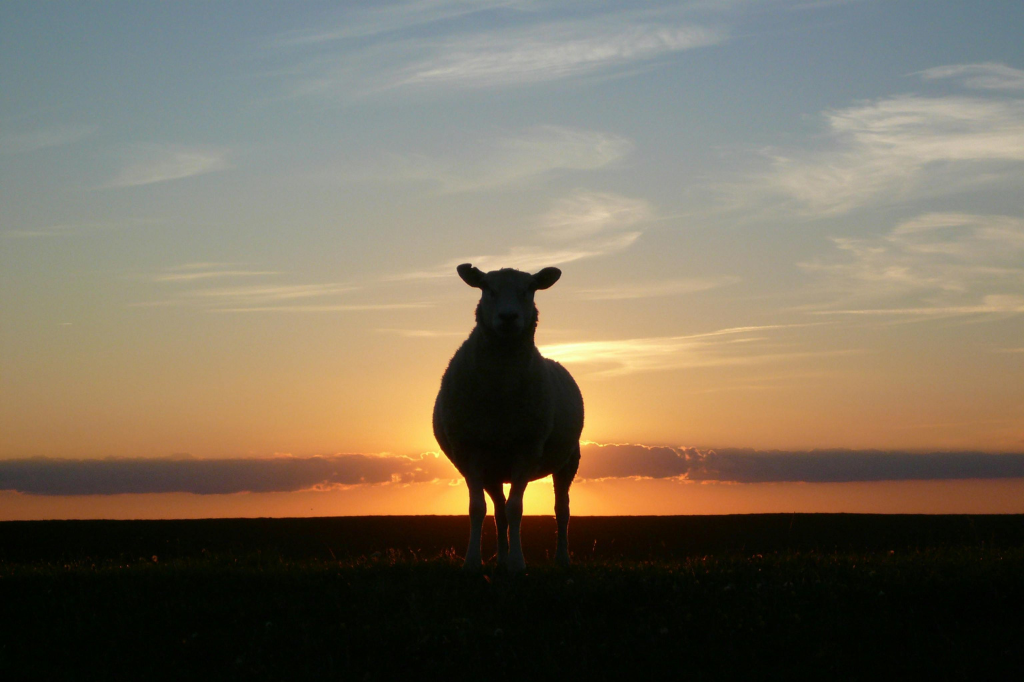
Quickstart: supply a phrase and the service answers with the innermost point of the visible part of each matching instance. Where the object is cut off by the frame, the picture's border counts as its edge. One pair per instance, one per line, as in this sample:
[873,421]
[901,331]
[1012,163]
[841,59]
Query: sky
[791,236]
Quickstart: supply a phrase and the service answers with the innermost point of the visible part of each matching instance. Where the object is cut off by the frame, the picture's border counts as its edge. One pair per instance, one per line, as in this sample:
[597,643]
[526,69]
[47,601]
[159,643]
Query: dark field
[763,596]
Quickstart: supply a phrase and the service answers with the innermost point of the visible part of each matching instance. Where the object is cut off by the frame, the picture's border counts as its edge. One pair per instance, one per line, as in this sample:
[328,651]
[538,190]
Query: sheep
[505,414]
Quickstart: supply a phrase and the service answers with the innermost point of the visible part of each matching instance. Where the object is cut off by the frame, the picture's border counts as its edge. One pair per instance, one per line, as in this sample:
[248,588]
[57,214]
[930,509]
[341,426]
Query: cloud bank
[733,465]
[49,476]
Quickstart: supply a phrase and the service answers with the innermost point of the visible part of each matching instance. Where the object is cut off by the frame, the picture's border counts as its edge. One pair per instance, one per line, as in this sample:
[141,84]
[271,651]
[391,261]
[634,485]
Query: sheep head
[506,310]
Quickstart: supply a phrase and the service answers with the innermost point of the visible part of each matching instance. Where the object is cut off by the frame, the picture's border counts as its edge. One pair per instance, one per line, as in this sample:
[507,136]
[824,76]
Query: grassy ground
[853,597]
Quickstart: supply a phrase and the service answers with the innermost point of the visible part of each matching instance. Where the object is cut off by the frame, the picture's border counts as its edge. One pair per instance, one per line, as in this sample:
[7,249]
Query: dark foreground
[764,596]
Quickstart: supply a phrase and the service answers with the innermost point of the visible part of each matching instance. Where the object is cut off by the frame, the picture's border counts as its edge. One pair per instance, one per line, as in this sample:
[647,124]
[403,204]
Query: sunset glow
[791,237]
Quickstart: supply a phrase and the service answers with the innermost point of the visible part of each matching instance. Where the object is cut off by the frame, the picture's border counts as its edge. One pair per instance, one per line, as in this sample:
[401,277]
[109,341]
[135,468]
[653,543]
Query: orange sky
[778,229]
[588,498]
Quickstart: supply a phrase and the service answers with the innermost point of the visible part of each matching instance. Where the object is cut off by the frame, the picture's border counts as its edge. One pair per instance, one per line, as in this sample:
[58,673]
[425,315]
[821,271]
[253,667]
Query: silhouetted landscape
[762,596]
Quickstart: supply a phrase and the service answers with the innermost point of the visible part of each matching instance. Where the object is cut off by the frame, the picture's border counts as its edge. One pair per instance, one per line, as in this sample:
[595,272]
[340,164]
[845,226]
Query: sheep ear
[471,276]
[546,277]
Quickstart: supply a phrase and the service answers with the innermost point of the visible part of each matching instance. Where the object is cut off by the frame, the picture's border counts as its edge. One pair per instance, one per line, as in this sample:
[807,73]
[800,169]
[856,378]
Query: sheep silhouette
[505,414]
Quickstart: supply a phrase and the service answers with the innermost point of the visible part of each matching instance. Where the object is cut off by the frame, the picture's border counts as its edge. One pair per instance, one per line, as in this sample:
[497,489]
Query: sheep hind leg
[562,518]
[562,480]
[477,511]
[514,513]
[497,494]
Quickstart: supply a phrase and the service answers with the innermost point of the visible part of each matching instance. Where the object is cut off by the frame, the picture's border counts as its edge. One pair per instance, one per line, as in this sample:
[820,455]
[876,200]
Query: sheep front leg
[477,511]
[497,494]
[514,513]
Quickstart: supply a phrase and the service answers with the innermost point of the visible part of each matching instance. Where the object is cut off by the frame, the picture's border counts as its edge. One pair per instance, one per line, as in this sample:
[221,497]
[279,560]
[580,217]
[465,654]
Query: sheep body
[494,408]
[504,413]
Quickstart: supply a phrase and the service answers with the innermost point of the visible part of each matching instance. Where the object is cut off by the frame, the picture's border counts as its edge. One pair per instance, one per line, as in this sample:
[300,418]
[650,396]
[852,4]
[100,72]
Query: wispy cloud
[325,308]
[733,346]
[550,52]
[191,281]
[191,272]
[43,138]
[942,263]
[588,213]
[898,148]
[530,258]
[585,225]
[193,276]
[512,158]
[1000,305]
[669,287]
[802,6]
[373,20]
[420,333]
[75,229]
[161,163]
[461,45]
[267,293]
[984,76]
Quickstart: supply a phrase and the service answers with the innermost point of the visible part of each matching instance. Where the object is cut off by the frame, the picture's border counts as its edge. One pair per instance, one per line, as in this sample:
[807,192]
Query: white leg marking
[514,513]
[500,522]
[477,511]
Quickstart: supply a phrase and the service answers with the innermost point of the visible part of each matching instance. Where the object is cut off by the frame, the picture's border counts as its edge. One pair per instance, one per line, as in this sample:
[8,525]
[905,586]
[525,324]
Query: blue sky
[231,228]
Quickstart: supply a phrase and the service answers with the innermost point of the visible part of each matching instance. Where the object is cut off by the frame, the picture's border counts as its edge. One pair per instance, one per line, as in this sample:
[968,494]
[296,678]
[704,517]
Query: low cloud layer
[49,476]
[734,465]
